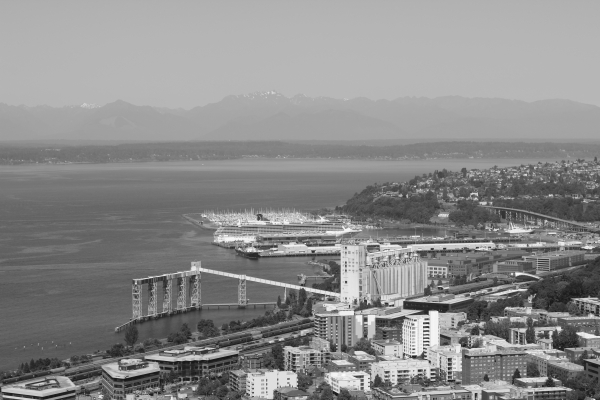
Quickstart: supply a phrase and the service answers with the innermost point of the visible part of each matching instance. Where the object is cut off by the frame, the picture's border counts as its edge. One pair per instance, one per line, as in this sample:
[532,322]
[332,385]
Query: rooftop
[41,386]
[115,369]
[190,353]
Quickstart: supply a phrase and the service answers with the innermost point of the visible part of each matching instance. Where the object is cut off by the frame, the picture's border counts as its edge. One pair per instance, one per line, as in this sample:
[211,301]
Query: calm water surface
[73,236]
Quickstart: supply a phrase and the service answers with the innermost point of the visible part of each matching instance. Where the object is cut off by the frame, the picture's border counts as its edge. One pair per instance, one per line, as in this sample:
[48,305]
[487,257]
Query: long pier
[185,289]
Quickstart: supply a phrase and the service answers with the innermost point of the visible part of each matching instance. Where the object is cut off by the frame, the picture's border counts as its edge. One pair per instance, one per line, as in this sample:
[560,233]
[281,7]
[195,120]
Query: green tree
[486,378]
[327,393]
[377,382]
[344,395]
[279,301]
[516,375]
[549,382]
[131,335]
[475,330]
[304,381]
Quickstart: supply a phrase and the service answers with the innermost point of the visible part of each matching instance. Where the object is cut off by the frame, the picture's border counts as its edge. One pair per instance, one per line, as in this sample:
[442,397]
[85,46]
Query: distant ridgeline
[193,151]
[566,189]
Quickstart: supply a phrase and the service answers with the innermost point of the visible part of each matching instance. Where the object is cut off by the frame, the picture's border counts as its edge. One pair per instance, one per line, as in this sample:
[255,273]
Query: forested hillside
[368,203]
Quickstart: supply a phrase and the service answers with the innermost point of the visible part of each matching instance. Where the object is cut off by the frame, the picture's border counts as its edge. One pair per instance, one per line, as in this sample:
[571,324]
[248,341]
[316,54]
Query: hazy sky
[189,53]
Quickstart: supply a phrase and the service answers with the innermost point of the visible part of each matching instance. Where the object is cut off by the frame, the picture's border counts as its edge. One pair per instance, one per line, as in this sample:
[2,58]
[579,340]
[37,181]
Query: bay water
[72,237]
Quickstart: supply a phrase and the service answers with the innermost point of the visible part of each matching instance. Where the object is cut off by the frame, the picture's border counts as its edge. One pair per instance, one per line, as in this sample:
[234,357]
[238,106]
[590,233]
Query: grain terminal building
[392,272]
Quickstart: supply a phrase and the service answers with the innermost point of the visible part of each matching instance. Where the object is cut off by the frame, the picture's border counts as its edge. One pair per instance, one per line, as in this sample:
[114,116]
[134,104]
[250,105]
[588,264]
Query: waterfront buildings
[263,383]
[437,393]
[195,361]
[289,393]
[356,380]
[497,365]
[419,332]
[547,262]
[393,272]
[44,388]
[237,380]
[128,375]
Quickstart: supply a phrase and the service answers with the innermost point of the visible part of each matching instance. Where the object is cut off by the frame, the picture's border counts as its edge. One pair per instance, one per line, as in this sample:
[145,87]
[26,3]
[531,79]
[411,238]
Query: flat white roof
[113,370]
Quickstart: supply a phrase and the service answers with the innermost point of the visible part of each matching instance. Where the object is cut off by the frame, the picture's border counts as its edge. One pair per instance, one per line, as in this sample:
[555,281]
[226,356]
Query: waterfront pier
[186,288]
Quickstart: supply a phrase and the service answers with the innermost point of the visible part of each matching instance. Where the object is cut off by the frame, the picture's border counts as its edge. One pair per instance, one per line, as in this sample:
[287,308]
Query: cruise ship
[249,231]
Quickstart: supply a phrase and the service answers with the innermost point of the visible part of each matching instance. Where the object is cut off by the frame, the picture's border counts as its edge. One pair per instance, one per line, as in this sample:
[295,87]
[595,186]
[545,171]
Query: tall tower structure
[353,260]
[391,273]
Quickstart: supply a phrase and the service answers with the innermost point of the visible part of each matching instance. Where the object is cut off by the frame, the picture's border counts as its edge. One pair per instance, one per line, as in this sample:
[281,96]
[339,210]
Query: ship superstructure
[247,226]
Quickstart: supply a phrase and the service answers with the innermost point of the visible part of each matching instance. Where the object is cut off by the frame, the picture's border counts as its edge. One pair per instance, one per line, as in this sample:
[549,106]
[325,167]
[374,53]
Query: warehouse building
[552,261]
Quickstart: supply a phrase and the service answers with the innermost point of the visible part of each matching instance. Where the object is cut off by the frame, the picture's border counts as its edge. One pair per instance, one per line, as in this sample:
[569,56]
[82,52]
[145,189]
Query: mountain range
[273,116]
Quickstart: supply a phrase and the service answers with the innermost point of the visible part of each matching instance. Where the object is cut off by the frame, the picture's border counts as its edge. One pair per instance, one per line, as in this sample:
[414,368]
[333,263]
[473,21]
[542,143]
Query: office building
[419,332]
[510,266]
[535,382]
[576,353]
[362,360]
[357,380]
[430,393]
[387,347]
[498,365]
[564,370]
[341,366]
[450,320]
[338,327]
[588,340]
[588,305]
[400,371]
[129,375]
[299,359]
[263,383]
[389,333]
[552,261]
[392,273]
[442,302]
[44,388]
[437,269]
[591,367]
[447,360]
[195,361]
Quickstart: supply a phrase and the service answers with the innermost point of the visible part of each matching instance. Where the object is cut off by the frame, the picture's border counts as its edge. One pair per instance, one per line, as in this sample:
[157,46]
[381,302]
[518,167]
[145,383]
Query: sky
[190,53]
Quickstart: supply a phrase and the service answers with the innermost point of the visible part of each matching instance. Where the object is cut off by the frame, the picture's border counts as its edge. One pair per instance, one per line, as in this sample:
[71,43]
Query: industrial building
[195,361]
[44,388]
[552,261]
[391,273]
[129,375]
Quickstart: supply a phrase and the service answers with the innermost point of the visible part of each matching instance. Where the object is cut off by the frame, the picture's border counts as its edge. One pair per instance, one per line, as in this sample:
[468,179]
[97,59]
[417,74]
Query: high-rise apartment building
[419,332]
[344,327]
